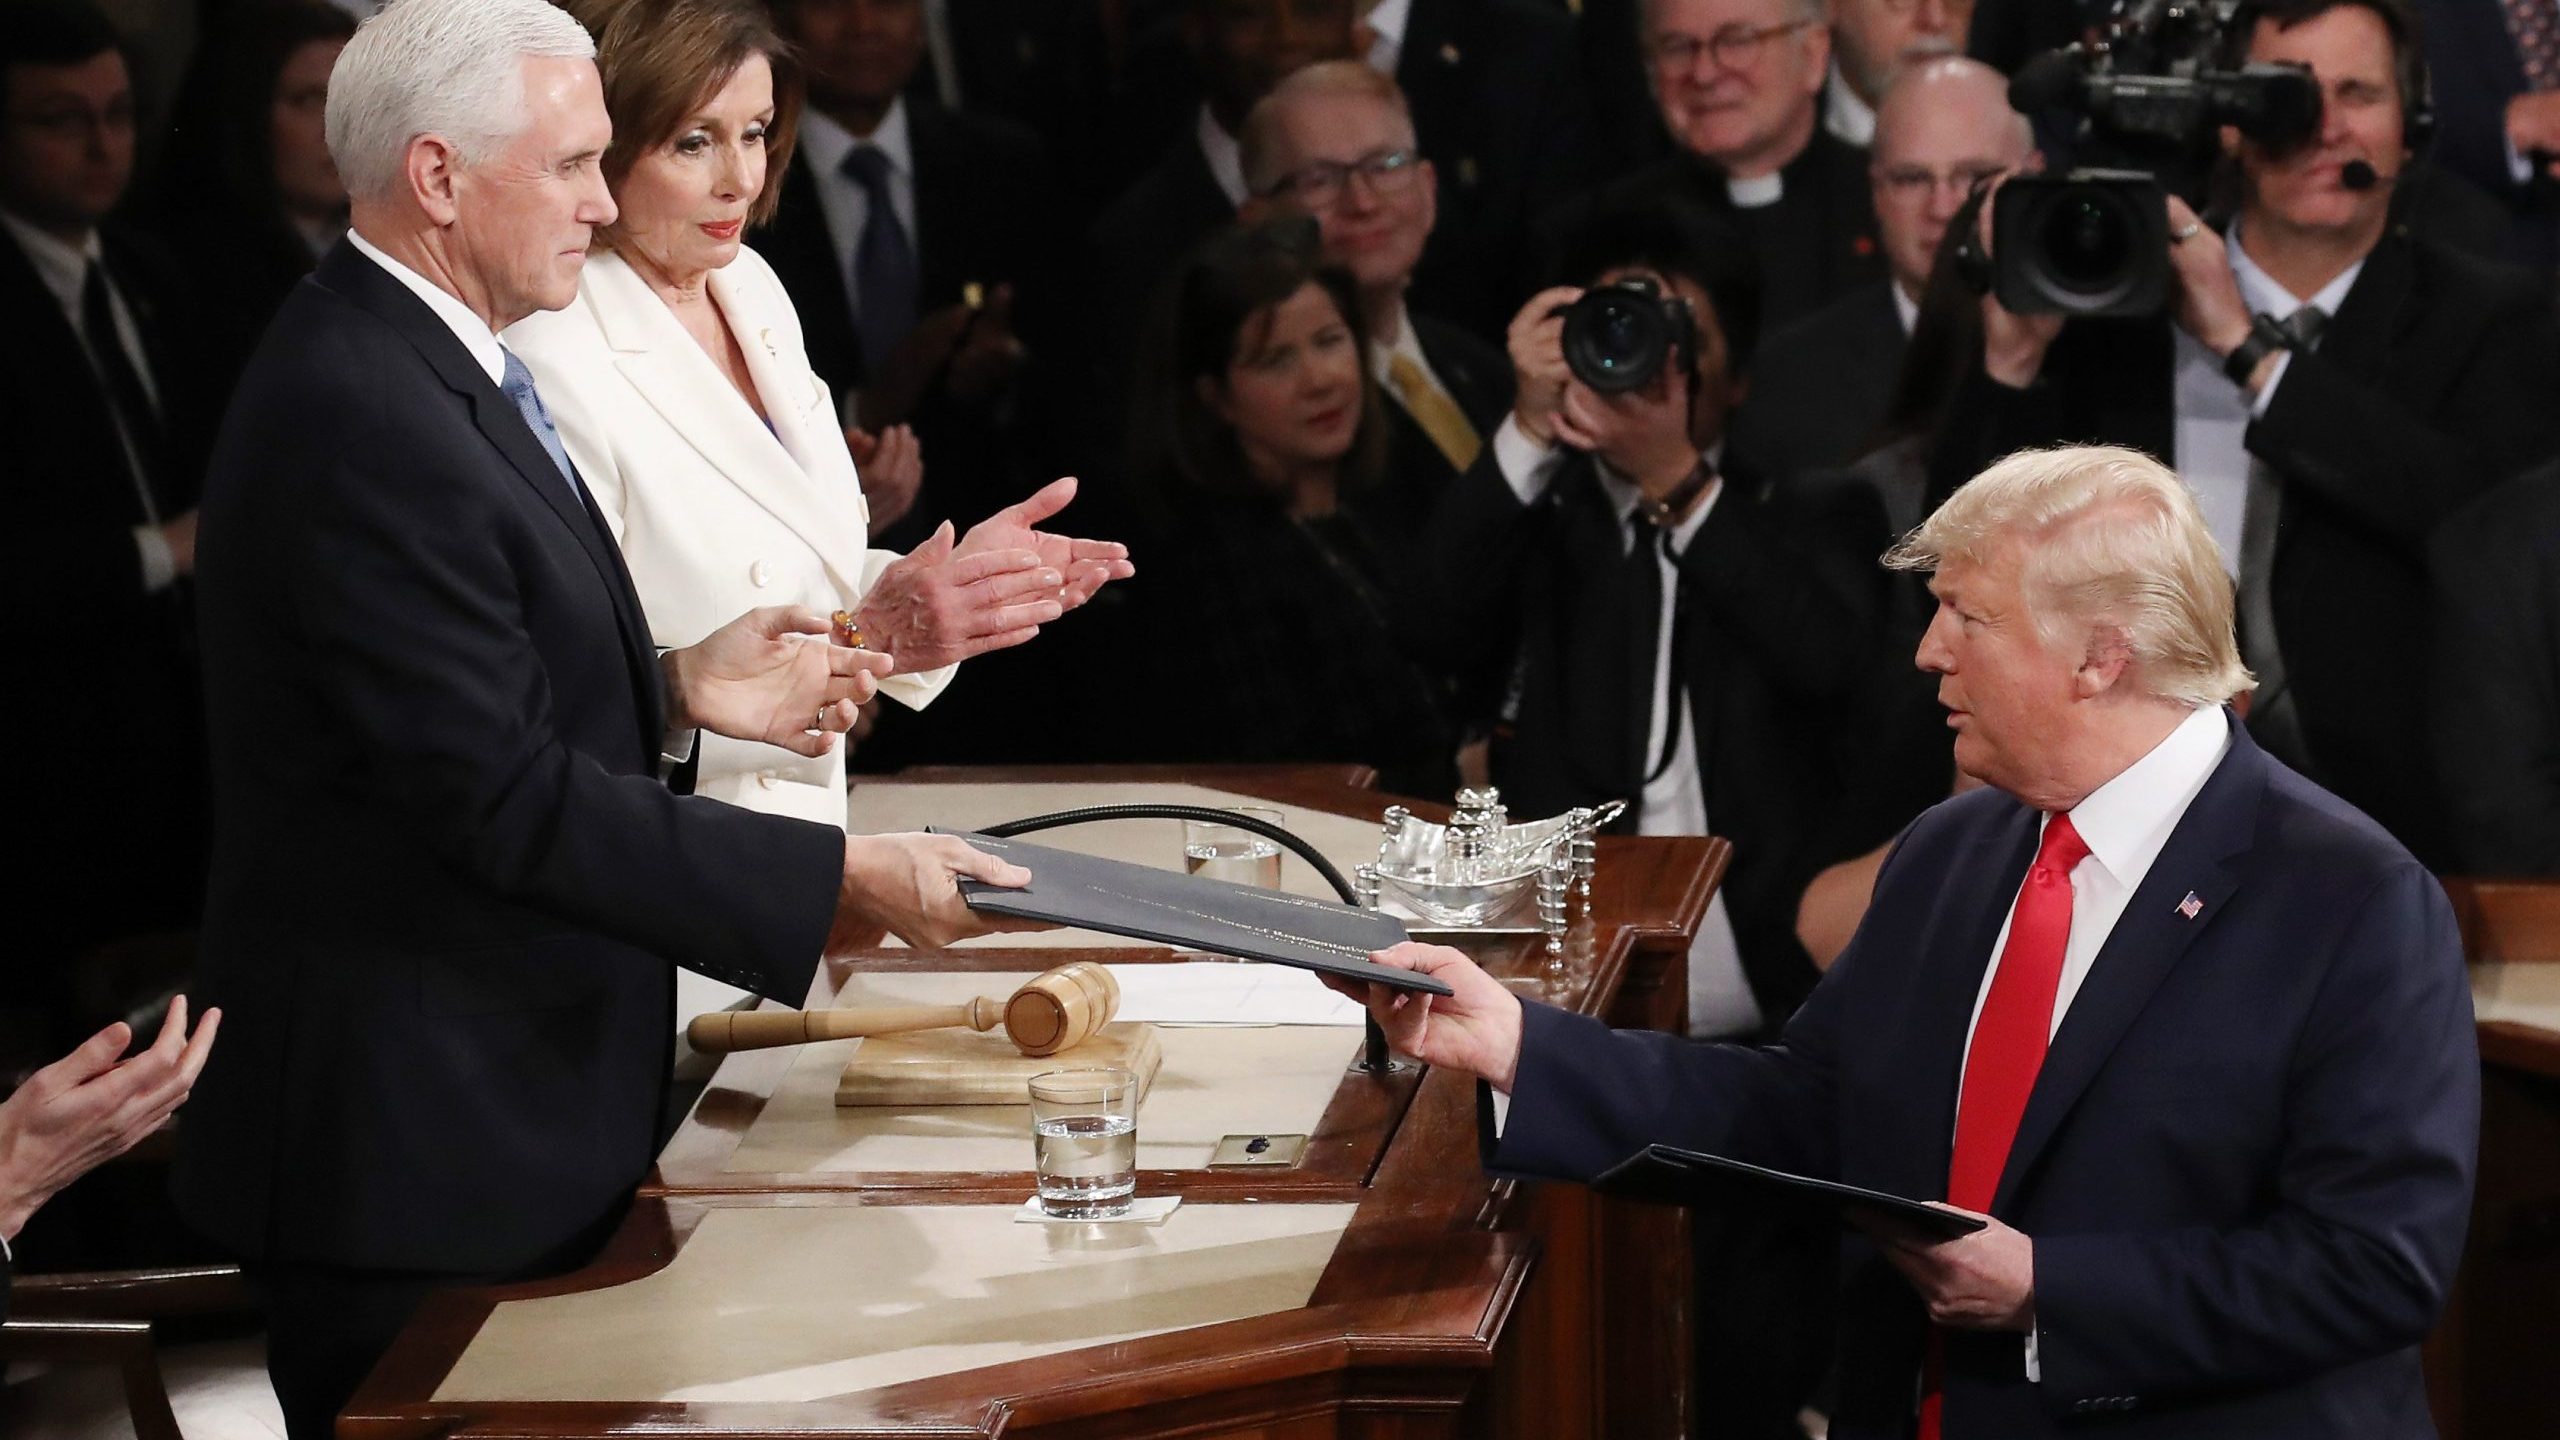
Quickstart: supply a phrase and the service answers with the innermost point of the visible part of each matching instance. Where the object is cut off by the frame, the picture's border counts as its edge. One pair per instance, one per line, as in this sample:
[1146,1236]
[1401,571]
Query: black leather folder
[1118,898]
[1670,1175]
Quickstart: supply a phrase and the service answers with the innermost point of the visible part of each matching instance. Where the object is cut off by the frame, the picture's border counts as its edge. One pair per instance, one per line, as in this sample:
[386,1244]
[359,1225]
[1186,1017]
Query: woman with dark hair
[1271,615]
[247,191]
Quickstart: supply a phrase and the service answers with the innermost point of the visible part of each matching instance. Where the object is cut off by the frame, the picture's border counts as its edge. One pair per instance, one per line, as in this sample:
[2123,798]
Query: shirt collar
[1405,344]
[1625,494]
[1225,157]
[1845,113]
[470,329]
[1757,191]
[1388,20]
[64,269]
[2267,297]
[2126,821]
[1905,309]
[828,143]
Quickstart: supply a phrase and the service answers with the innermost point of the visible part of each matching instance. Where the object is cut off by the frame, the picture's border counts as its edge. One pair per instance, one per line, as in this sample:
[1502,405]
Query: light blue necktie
[518,384]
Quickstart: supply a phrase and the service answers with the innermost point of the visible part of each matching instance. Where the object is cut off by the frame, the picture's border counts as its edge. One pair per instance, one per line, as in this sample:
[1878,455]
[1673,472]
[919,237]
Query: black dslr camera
[2147,96]
[1617,337]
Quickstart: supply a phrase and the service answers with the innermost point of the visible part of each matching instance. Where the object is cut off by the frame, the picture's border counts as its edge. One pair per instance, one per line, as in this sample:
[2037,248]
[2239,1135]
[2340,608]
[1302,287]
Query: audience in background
[1270,599]
[2495,667]
[1823,383]
[1507,128]
[2498,111]
[2381,380]
[1740,83]
[901,242]
[107,409]
[1336,142]
[247,196]
[1871,42]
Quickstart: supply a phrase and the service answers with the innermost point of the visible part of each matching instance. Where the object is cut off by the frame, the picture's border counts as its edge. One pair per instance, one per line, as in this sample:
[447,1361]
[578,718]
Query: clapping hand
[1087,565]
[1476,1029]
[88,1107]
[891,467]
[755,678]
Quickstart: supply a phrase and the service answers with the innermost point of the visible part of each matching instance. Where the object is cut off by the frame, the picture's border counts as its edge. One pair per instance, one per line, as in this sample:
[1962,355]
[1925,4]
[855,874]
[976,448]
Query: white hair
[452,68]
[2112,539]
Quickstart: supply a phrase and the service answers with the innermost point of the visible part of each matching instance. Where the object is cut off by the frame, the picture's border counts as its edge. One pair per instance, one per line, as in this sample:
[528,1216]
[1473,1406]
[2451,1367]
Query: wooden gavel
[1056,1010]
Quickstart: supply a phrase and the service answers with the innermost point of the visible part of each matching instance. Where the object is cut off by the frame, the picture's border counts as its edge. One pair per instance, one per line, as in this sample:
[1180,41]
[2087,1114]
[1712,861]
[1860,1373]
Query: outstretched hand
[909,886]
[1476,1030]
[756,678]
[87,1108]
[1085,565]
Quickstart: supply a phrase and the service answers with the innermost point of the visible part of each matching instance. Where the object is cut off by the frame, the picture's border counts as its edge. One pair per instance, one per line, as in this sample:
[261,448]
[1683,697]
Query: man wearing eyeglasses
[1825,381]
[1739,84]
[105,434]
[1336,142]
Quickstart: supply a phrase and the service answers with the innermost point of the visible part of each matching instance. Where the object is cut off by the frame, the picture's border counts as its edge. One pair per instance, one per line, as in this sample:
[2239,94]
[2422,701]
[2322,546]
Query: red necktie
[2009,1041]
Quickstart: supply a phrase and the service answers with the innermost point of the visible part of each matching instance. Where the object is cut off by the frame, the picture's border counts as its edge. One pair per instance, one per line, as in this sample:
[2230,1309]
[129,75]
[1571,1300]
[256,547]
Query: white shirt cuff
[1526,465]
[1501,1111]
[159,562]
[2519,165]
[2035,1366]
[677,747]
[2266,395]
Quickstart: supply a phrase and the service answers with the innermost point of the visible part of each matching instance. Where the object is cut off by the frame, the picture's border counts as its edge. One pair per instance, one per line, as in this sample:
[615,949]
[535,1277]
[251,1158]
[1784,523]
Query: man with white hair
[449,884]
[1872,43]
[2192,1034]
[1825,382]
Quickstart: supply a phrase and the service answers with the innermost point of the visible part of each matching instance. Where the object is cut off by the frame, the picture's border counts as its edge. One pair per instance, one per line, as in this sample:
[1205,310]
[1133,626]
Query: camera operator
[1680,640]
[2331,386]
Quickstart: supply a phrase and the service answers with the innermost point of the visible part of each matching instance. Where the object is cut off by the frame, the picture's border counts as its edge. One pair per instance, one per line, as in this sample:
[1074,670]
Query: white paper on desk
[1228,992]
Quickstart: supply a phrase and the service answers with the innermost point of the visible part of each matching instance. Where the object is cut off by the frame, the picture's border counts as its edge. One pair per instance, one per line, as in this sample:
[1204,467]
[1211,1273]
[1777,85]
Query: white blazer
[716,514]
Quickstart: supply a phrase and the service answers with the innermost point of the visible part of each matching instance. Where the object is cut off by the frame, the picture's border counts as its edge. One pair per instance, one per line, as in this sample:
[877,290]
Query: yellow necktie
[1433,410]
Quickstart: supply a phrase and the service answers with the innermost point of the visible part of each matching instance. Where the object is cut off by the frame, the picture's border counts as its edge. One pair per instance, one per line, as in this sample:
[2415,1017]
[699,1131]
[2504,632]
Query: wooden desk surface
[1412,1317]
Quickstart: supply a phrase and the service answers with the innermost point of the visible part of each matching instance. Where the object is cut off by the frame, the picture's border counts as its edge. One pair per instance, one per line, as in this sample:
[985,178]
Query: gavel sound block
[922,1055]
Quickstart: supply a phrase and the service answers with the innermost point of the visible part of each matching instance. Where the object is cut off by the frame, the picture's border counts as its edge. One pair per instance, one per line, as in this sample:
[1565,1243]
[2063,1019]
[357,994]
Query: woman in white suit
[682,393]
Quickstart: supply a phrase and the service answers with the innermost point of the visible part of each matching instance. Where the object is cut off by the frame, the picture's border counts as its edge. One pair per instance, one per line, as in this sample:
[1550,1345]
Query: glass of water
[1084,1141]
[1223,852]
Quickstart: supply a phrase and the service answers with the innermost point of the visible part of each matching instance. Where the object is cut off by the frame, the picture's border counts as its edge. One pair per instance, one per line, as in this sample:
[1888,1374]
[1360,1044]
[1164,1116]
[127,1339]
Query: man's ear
[432,166]
[2103,668]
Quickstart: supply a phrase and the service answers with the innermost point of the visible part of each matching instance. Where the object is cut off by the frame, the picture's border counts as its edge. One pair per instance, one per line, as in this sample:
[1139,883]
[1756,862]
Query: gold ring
[822,717]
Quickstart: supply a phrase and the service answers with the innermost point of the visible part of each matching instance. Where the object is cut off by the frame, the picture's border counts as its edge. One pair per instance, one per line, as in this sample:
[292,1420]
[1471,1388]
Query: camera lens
[1616,338]
[2085,240]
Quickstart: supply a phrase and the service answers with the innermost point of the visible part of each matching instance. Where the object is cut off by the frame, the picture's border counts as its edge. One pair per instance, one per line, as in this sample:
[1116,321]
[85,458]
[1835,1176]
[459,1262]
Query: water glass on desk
[1084,1141]
[1240,857]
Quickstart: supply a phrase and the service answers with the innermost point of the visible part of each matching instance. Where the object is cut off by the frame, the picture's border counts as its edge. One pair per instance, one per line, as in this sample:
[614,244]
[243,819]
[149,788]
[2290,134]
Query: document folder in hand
[1673,1176]
[1118,898]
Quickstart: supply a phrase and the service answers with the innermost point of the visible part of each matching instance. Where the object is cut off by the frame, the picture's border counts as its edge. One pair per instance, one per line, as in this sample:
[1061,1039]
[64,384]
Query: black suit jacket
[1781,615]
[2496,662]
[2426,390]
[1815,245]
[127,831]
[1820,386]
[1478,377]
[1507,126]
[1138,240]
[2246,1161]
[2472,61]
[448,884]
[976,177]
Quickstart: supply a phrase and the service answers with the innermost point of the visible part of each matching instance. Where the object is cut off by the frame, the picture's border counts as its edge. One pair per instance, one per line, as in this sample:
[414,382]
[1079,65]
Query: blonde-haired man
[2190,1032]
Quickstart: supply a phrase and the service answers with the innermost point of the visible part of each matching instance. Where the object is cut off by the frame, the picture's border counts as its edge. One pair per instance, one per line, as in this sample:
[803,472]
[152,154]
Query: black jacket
[2427,388]
[1820,386]
[1478,377]
[2496,663]
[448,883]
[1781,618]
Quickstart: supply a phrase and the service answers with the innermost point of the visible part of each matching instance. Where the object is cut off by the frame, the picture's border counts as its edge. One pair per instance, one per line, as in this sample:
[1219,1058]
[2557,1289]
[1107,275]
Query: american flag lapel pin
[2191,907]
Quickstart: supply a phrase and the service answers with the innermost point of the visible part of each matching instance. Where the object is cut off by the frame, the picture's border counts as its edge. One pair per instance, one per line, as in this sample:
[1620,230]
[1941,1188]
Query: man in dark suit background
[1739,84]
[1336,142]
[105,407]
[449,885]
[1508,130]
[2496,67]
[1822,385]
[2331,385]
[2495,698]
[2193,1035]
[901,241]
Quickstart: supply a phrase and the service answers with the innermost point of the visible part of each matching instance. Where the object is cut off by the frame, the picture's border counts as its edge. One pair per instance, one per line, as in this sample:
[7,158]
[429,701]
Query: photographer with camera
[2330,385]
[1675,637]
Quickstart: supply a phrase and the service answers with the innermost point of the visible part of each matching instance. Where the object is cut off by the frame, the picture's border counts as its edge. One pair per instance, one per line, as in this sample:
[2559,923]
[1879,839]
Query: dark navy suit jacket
[2246,1164]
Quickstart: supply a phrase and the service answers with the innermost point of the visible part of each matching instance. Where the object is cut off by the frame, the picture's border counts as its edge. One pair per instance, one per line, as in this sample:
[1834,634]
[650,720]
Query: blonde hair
[1259,144]
[2109,538]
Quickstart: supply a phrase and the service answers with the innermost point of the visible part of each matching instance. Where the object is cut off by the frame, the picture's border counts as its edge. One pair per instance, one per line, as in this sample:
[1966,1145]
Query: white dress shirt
[2213,415]
[1674,801]
[1225,156]
[842,199]
[2125,823]
[1845,113]
[1388,20]
[64,270]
